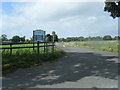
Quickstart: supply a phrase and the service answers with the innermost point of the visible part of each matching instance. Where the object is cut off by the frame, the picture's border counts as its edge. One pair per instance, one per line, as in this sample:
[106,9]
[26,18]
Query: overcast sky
[67,19]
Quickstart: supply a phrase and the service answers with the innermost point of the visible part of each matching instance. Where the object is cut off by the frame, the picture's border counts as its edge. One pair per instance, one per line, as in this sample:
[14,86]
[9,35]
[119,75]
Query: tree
[116,38]
[93,38]
[22,39]
[68,39]
[16,39]
[113,8]
[48,38]
[3,37]
[53,33]
[62,40]
[107,37]
[54,37]
[81,38]
[98,38]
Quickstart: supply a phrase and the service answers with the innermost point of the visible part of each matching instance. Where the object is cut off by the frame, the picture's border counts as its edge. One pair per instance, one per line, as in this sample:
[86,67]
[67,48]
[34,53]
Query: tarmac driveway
[81,68]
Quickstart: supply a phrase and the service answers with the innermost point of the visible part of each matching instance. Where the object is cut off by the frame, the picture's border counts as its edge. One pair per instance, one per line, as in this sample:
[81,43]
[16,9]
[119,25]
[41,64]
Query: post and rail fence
[44,45]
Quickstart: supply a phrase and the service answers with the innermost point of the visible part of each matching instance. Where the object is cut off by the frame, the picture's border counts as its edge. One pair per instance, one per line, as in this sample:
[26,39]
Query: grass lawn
[111,46]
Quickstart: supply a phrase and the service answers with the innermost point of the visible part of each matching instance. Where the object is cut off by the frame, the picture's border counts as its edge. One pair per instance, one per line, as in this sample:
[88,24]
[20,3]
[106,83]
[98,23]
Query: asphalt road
[81,68]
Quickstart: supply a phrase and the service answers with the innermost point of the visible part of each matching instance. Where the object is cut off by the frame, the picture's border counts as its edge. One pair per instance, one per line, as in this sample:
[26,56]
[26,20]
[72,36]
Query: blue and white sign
[39,35]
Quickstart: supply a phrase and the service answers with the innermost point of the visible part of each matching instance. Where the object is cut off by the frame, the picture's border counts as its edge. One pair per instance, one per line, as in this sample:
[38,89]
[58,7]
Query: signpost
[38,35]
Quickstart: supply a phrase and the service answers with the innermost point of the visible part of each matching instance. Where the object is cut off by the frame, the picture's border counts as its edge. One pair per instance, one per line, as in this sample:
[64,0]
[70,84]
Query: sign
[39,35]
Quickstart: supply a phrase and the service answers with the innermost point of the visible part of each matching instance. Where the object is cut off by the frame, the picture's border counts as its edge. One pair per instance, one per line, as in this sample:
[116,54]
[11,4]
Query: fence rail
[46,44]
[23,43]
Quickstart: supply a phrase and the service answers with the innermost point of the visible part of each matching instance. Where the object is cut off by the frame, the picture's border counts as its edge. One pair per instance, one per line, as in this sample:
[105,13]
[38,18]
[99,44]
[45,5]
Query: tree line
[54,38]
[106,37]
[16,38]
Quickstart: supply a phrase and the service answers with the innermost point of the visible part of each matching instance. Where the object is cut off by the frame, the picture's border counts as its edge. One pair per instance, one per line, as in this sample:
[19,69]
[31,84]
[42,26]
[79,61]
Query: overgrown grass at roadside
[26,58]
[111,46]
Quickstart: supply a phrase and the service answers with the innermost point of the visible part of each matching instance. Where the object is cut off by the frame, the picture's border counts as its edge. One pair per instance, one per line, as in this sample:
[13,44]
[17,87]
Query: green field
[21,49]
[111,46]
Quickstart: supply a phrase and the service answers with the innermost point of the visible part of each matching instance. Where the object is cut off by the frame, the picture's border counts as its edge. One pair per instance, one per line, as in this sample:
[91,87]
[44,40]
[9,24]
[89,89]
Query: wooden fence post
[10,49]
[33,45]
[54,47]
[38,47]
[44,46]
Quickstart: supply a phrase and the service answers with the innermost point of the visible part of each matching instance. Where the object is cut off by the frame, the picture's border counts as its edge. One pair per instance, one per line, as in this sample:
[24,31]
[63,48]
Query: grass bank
[26,58]
[111,46]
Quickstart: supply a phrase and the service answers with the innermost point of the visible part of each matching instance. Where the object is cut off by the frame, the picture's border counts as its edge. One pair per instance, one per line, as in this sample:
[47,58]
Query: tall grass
[26,58]
[111,46]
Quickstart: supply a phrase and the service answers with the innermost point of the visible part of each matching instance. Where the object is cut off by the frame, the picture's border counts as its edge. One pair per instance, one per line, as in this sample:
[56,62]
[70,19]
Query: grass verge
[26,58]
[110,46]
